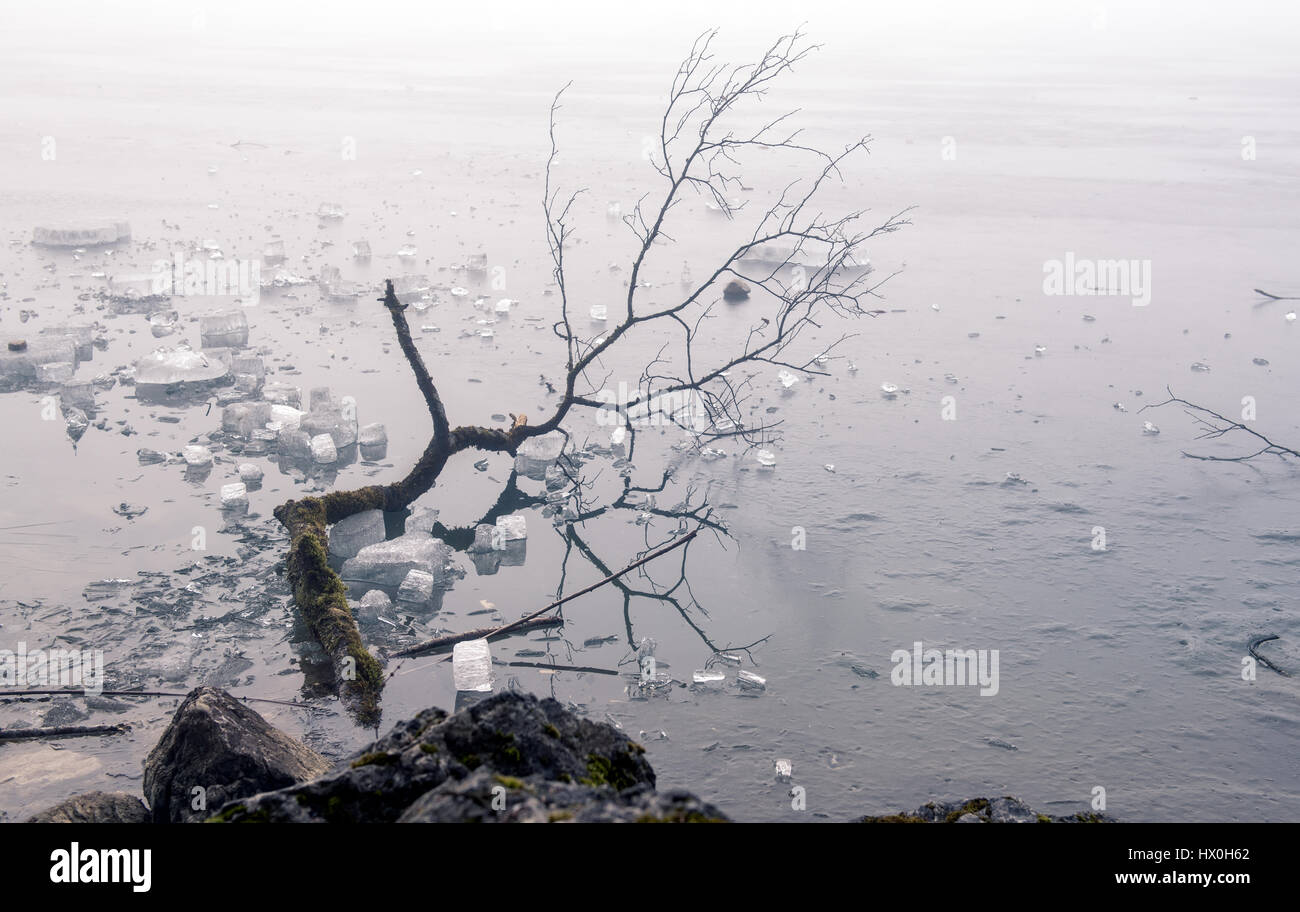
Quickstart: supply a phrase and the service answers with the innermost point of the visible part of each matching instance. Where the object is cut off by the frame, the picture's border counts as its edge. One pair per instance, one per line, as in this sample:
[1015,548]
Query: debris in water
[1149,428]
[471,663]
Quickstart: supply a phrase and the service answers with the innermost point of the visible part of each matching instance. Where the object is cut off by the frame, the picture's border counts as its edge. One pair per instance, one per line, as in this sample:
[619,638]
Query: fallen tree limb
[482,633]
[1254,644]
[1273,296]
[65,692]
[535,619]
[62,731]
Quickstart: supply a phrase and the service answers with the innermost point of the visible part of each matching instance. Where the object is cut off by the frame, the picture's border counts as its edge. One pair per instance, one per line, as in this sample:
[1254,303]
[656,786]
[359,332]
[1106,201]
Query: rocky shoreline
[510,758]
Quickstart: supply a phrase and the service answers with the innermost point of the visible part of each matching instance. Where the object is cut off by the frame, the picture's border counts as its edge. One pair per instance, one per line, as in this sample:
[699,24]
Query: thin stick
[483,633]
[19,734]
[488,633]
[13,694]
[1254,644]
[1273,296]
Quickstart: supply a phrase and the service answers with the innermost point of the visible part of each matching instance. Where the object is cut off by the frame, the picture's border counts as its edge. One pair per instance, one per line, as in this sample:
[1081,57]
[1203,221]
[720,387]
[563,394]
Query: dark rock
[96,807]
[983,810]
[510,757]
[736,290]
[216,743]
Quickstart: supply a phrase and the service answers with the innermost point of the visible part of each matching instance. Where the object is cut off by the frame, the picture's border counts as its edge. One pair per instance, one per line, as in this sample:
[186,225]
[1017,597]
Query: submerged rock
[1006,809]
[216,743]
[95,807]
[736,290]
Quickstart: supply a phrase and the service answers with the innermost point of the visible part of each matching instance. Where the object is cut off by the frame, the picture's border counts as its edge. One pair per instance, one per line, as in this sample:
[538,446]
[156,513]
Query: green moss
[379,758]
[551,730]
[680,817]
[224,816]
[559,816]
[510,782]
[615,771]
[894,818]
[429,748]
[506,748]
[564,777]
[472,761]
[1043,818]
[1089,818]
[970,807]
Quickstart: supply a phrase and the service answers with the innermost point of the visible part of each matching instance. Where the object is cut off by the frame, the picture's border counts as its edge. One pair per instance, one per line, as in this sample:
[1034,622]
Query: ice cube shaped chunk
[471,664]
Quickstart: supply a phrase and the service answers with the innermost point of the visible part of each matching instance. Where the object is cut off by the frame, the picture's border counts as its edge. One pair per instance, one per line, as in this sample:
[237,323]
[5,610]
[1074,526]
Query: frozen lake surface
[1119,668]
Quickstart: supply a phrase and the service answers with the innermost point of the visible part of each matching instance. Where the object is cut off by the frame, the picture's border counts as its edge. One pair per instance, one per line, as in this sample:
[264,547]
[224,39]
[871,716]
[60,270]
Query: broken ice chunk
[708,676]
[294,446]
[387,563]
[416,587]
[281,393]
[471,664]
[373,435]
[1149,429]
[22,359]
[509,528]
[55,372]
[330,211]
[889,390]
[224,329]
[250,474]
[323,451]
[766,458]
[599,313]
[787,379]
[349,535]
[537,453]
[197,456]
[750,681]
[86,233]
[374,602]
[234,496]
[361,250]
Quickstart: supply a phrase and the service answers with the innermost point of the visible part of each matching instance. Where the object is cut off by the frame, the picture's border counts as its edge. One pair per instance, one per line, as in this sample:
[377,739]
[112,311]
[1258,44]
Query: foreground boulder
[96,807]
[983,810]
[218,744]
[509,758]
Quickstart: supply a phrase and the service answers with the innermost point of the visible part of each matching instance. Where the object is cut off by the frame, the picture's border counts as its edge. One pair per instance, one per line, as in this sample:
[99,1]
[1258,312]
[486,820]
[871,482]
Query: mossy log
[318,591]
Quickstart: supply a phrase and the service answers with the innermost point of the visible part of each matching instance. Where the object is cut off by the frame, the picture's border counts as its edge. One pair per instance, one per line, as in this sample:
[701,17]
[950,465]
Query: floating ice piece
[55,371]
[22,358]
[361,250]
[830,467]
[82,336]
[323,451]
[509,528]
[459,292]
[618,435]
[1039,349]
[599,312]
[1201,367]
[537,453]
[333,421]
[787,379]
[890,390]
[249,473]
[286,417]
[146,456]
[87,233]
[407,250]
[373,435]
[750,681]
[360,530]
[280,393]
[1149,429]
[766,458]
[273,253]
[234,496]
[197,456]
[503,306]
[471,665]
[1119,407]
[784,768]
[417,586]
[294,446]
[374,602]
[707,676]
[243,418]
[224,329]
[729,658]
[387,563]
[1290,318]
[75,422]
[330,211]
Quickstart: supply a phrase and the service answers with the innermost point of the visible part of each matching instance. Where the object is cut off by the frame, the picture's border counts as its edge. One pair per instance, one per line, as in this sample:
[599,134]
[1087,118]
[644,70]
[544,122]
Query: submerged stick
[529,621]
[63,731]
[1264,639]
[483,633]
[1273,296]
[65,692]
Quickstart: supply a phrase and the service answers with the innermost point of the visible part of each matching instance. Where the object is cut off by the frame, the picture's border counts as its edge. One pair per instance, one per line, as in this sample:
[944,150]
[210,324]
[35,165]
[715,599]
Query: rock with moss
[218,745]
[96,807]
[1006,809]
[510,757]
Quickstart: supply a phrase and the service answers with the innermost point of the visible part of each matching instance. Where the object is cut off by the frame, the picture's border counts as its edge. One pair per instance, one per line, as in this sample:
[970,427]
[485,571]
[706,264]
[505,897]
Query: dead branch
[63,731]
[1216,426]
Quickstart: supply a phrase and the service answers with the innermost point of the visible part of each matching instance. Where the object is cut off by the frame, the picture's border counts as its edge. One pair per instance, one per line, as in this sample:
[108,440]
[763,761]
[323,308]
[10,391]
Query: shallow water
[1118,668]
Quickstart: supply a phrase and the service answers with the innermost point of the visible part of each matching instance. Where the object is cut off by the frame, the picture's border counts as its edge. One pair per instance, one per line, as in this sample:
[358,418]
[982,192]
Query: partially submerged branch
[1215,426]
